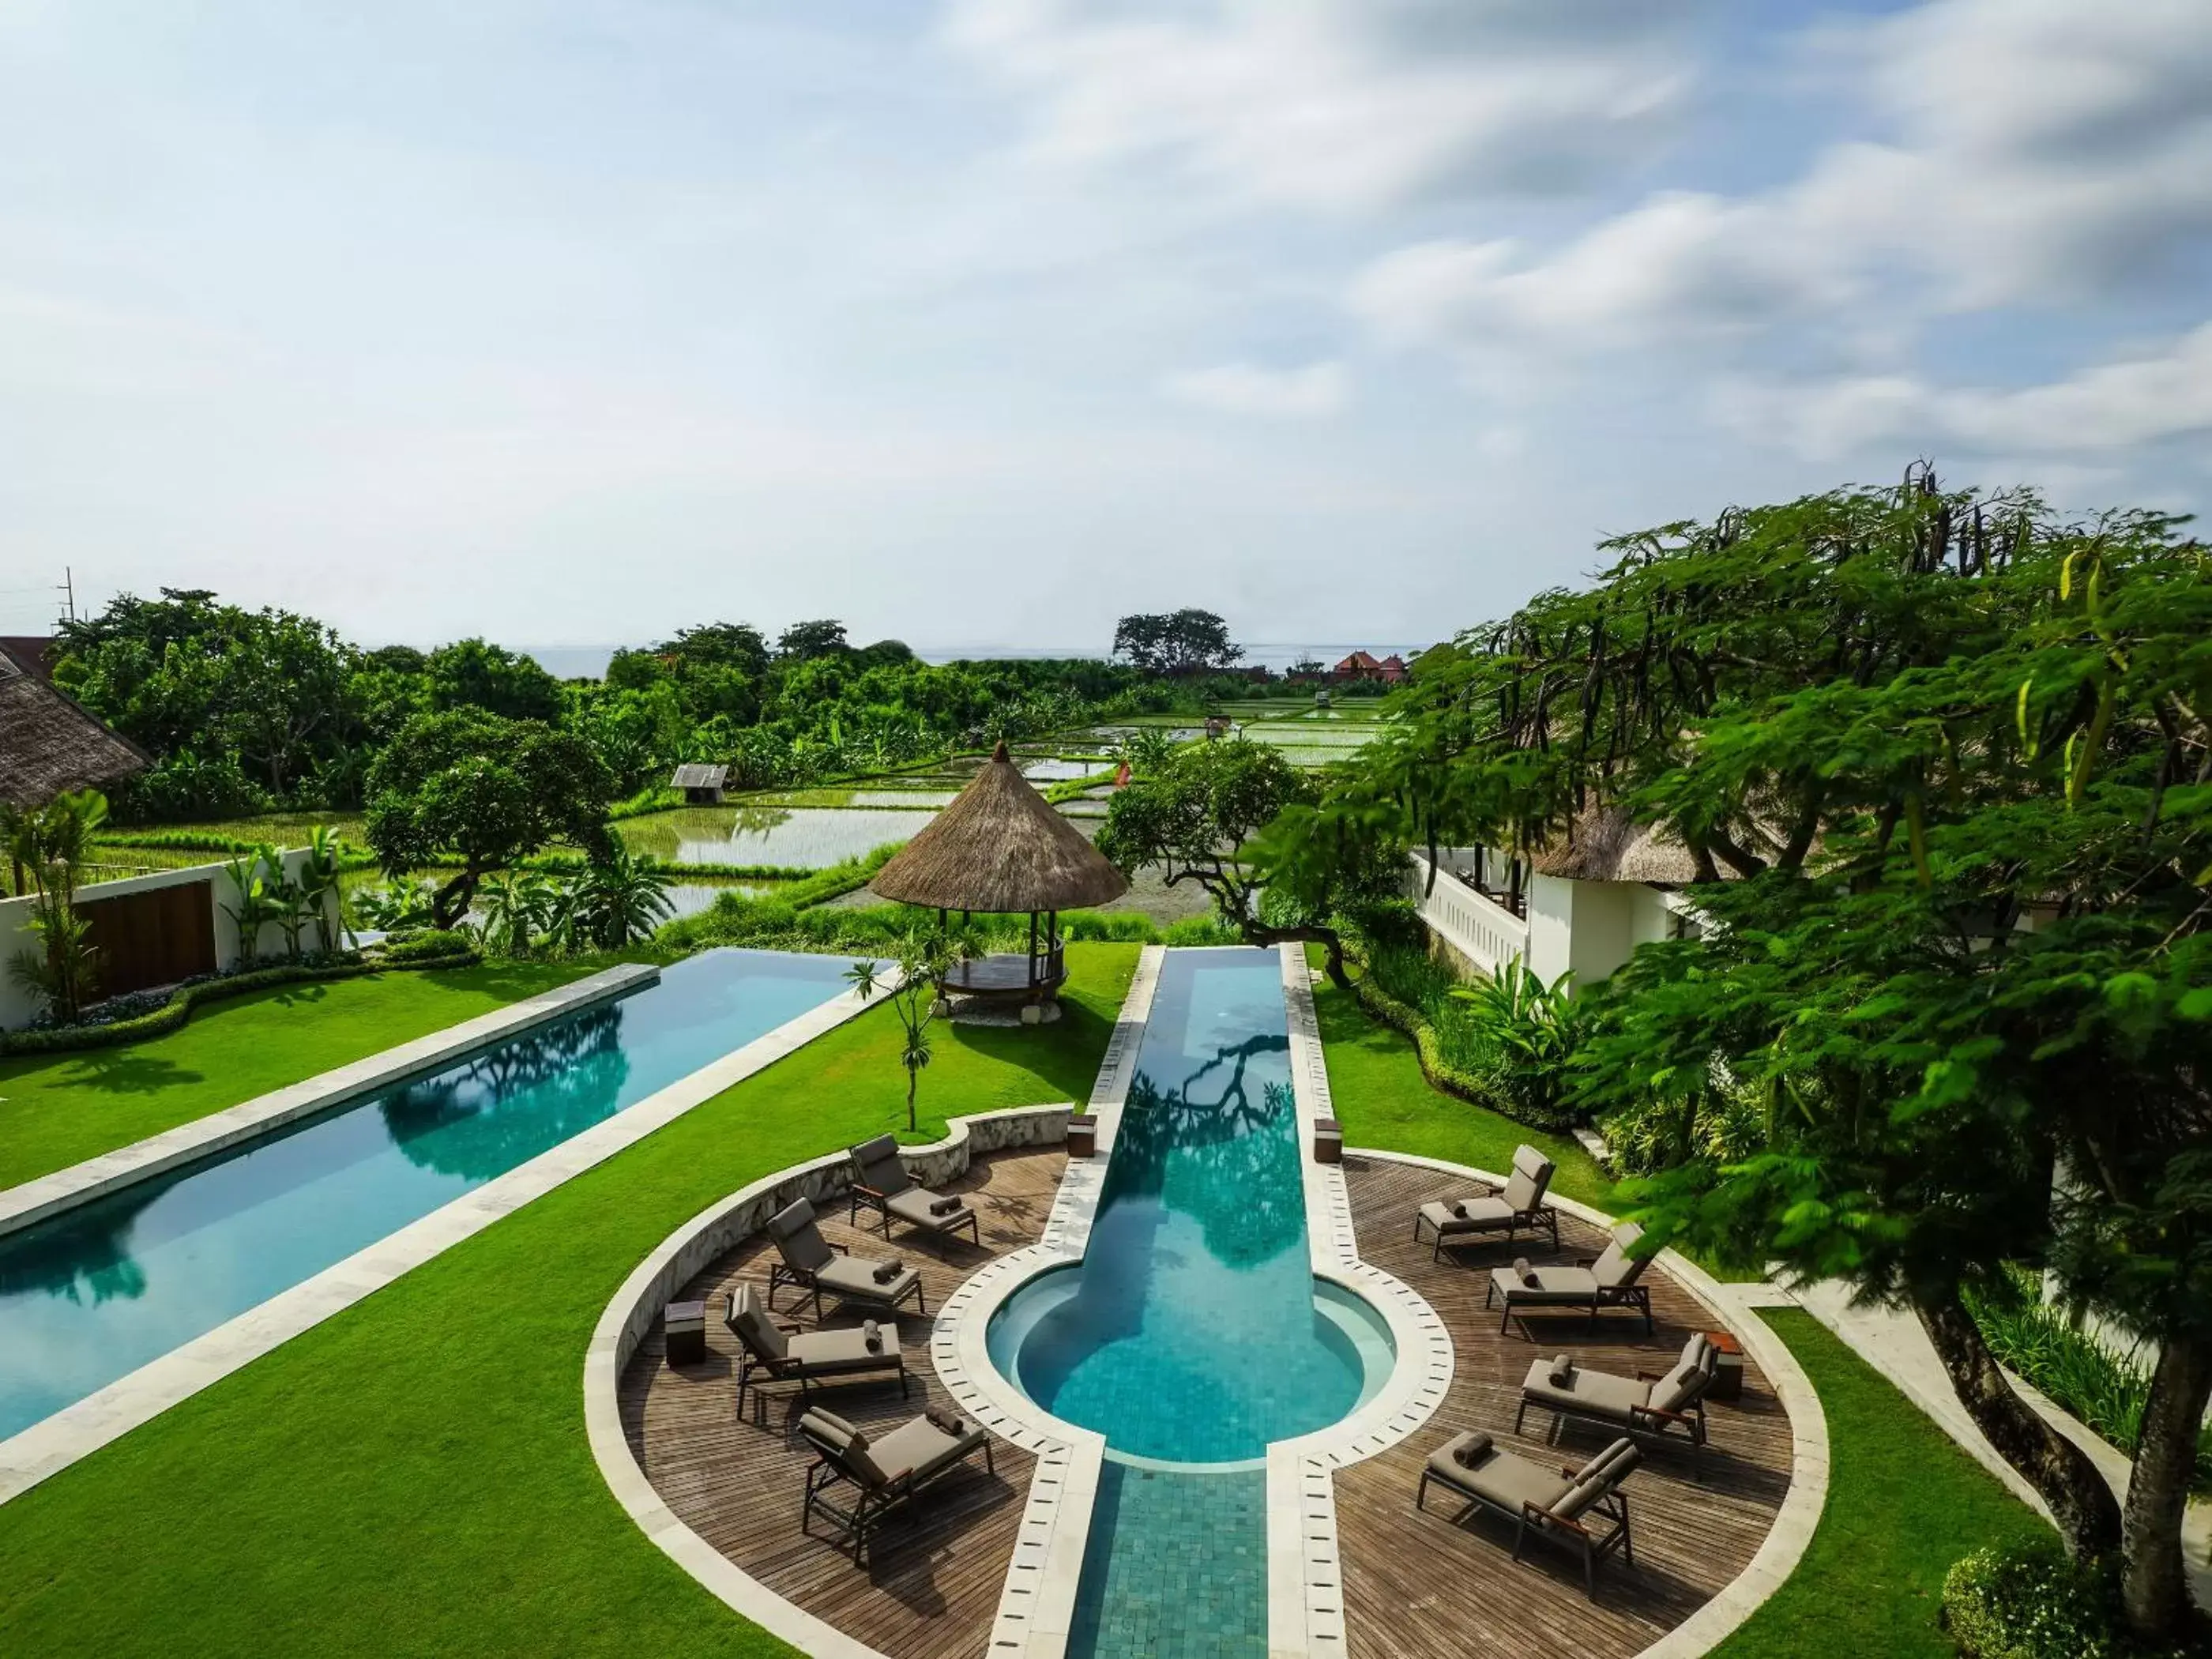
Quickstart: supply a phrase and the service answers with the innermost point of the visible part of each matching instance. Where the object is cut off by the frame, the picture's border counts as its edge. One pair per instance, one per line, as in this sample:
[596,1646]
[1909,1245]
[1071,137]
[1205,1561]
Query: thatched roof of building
[1605,844]
[999,847]
[698,775]
[48,744]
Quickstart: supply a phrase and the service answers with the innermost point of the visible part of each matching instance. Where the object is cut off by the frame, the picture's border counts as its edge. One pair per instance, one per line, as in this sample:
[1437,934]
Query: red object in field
[1121,775]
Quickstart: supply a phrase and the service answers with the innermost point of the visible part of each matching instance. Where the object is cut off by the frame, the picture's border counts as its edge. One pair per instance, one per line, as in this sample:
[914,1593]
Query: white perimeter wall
[18,1006]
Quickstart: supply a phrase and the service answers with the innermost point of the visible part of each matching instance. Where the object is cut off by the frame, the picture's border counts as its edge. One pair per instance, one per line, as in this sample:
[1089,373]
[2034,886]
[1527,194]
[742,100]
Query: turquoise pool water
[92,1295]
[1193,1332]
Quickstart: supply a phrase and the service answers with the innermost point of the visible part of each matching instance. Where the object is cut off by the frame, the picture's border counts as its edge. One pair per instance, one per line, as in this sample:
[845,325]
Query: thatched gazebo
[47,743]
[1000,850]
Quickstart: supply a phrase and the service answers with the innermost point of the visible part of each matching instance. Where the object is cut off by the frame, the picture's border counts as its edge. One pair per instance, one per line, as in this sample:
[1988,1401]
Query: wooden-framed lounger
[1649,1409]
[779,1352]
[881,1184]
[884,1472]
[1606,1281]
[1570,1507]
[1518,1207]
[819,1268]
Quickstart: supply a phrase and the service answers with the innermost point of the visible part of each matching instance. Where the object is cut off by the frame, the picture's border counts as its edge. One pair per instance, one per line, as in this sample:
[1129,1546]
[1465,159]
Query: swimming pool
[93,1294]
[1193,1332]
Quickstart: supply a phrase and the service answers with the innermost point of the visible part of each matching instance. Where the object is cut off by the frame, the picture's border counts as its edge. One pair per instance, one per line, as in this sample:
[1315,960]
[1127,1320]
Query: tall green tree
[1947,751]
[469,786]
[477,674]
[1177,642]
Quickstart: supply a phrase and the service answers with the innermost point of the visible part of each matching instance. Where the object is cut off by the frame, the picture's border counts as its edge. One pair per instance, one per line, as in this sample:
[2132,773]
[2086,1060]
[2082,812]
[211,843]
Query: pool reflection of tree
[1245,1190]
[508,1105]
[86,1256]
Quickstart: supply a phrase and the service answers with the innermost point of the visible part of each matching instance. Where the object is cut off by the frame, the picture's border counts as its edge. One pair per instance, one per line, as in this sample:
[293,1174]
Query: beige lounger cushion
[846,1445]
[1595,1479]
[829,1351]
[1553,1285]
[1691,1376]
[855,1276]
[880,1166]
[920,1447]
[1592,1393]
[1532,1174]
[750,1319]
[1504,1478]
[913,1206]
[1483,1215]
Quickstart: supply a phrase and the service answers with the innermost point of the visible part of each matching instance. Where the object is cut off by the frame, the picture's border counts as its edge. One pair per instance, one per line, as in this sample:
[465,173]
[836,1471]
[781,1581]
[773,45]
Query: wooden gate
[152,938]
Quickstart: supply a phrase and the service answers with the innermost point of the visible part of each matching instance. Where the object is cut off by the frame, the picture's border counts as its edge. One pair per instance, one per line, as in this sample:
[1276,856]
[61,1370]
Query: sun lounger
[783,1354]
[1607,1281]
[1571,1507]
[1519,1205]
[812,1262]
[884,1472]
[1648,1408]
[881,1184]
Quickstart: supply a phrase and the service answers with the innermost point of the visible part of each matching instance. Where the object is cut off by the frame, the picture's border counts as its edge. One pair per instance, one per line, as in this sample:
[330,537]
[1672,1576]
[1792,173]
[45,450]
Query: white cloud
[1341,104]
[2106,408]
[1244,389]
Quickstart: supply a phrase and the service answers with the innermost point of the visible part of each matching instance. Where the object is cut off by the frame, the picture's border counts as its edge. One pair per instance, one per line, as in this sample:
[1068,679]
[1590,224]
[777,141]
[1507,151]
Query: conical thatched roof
[48,744]
[999,847]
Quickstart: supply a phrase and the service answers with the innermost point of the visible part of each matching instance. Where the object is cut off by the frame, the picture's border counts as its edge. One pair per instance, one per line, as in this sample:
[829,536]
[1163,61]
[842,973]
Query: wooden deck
[1419,1583]
[932,1585]
[1415,1583]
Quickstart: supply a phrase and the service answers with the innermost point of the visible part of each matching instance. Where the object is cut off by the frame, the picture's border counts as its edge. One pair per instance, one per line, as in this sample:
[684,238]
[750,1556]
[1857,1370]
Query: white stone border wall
[686,1252]
[1793,1523]
[76,1431]
[65,1189]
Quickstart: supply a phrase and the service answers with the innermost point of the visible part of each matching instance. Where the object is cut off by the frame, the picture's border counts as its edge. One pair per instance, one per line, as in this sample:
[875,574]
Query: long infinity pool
[94,1294]
[1193,1332]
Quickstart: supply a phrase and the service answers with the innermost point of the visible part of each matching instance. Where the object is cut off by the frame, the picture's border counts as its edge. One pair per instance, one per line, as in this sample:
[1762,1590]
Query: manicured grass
[58,1109]
[412,1476]
[1381,1097]
[1904,1503]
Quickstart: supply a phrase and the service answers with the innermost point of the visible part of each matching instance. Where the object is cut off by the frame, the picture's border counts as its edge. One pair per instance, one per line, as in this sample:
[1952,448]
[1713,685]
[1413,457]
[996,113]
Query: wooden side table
[1328,1140]
[1728,1376]
[684,1325]
[1082,1136]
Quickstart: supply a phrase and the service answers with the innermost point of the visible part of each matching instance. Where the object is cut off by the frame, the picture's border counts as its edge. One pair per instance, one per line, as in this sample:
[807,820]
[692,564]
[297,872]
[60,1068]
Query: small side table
[1728,1376]
[1328,1140]
[1082,1136]
[684,1325]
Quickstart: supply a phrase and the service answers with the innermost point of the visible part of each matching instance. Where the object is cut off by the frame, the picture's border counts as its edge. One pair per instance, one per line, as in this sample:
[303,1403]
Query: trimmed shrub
[429,949]
[2031,1602]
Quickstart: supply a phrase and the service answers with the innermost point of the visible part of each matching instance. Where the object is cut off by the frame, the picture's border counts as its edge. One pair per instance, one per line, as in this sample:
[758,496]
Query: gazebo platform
[1001,978]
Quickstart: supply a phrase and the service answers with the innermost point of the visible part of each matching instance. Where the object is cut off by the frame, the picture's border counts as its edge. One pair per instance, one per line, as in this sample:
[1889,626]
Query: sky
[979,324]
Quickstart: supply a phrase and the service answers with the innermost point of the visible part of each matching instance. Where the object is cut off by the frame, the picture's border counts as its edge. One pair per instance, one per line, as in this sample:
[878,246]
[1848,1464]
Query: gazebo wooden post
[1033,961]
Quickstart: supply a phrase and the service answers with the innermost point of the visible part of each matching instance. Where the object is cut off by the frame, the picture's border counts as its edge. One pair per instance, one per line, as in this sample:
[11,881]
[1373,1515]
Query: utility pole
[68,585]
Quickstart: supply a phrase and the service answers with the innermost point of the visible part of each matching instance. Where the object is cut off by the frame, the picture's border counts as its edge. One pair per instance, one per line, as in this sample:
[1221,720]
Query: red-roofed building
[1360,665]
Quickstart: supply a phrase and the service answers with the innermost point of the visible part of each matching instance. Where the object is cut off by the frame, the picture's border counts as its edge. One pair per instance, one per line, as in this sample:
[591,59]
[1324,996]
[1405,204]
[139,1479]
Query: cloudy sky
[980,323]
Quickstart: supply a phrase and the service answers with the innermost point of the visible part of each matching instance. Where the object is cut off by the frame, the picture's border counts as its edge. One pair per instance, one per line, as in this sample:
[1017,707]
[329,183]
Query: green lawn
[1904,1503]
[1376,1085]
[58,1109]
[412,1476]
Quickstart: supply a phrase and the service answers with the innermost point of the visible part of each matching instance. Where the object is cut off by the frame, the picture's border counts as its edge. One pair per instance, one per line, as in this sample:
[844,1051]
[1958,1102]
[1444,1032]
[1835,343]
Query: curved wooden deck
[932,1585]
[1415,1584]
[1421,1583]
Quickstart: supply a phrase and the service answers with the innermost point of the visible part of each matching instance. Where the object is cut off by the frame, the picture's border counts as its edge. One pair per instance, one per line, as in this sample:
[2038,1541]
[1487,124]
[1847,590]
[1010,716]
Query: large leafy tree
[476,674]
[1196,814]
[1950,751]
[267,693]
[470,786]
[1186,641]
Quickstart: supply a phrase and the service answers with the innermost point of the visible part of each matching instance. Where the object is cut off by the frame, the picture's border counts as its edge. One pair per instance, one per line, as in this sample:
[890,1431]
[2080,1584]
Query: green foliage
[1200,930]
[2028,1602]
[428,948]
[477,674]
[1177,643]
[614,901]
[2082,1375]
[1526,1033]
[1195,814]
[915,994]
[486,790]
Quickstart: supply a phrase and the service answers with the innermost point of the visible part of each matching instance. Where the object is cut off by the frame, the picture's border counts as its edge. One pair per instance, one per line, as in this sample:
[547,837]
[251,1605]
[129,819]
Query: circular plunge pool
[1212,1386]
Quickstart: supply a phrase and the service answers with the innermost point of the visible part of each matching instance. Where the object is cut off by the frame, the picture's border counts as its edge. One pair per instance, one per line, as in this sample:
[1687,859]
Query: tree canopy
[1177,642]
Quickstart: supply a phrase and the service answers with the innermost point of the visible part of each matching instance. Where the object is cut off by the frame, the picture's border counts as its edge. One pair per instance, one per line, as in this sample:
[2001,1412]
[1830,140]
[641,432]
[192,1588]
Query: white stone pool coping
[636,1306]
[65,1189]
[76,1431]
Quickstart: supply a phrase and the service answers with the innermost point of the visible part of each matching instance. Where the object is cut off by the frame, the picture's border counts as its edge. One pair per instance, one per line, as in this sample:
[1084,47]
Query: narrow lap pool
[92,1295]
[1193,1332]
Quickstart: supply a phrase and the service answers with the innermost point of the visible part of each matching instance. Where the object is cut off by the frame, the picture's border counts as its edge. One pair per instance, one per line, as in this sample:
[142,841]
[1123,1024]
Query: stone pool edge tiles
[49,1195]
[1305,1580]
[52,1444]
